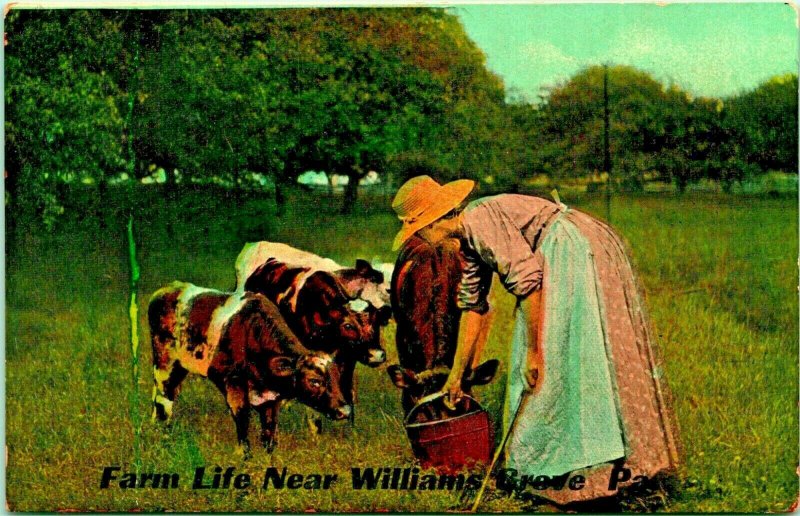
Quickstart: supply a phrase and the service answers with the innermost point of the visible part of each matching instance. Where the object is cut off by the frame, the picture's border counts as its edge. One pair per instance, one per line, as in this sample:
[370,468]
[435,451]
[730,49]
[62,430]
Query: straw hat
[421,201]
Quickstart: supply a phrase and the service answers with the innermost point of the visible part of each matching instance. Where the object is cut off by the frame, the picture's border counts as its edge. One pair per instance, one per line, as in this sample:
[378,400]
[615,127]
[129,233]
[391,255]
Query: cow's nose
[377,357]
[344,412]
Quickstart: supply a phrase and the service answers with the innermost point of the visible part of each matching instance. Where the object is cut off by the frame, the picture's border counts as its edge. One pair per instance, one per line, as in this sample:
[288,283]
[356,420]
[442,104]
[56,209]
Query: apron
[573,422]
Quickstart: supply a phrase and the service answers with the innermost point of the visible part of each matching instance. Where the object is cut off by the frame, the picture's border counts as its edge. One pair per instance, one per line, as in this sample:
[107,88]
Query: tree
[191,114]
[639,107]
[63,119]
[283,91]
[219,94]
[763,123]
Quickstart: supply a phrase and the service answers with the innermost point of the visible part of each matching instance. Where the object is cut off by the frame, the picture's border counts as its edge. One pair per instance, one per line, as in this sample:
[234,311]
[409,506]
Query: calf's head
[352,334]
[367,283]
[370,320]
[415,386]
[316,382]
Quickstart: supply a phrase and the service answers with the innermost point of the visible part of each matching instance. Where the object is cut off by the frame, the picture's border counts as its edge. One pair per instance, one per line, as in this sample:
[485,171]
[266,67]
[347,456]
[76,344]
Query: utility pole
[606,149]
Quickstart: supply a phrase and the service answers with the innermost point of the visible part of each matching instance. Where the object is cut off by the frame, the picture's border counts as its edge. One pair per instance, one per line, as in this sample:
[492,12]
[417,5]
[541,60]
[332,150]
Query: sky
[707,49]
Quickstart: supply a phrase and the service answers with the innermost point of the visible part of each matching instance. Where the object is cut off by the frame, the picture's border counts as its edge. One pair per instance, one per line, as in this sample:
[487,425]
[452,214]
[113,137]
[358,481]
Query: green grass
[720,275]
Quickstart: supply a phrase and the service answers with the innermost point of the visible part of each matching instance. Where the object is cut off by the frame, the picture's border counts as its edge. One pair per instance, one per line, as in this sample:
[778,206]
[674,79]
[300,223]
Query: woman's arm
[472,338]
[534,370]
[483,336]
[473,329]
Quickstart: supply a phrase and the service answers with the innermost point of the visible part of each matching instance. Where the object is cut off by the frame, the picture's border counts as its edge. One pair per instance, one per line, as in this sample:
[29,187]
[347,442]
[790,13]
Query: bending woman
[582,370]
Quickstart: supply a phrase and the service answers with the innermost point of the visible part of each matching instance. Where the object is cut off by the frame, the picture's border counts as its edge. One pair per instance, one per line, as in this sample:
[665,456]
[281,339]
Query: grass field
[720,273]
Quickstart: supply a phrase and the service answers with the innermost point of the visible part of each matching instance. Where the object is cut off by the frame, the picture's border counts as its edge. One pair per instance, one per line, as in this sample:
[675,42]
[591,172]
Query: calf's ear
[401,378]
[484,373]
[363,267]
[365,270]
[384,315]
[281,366]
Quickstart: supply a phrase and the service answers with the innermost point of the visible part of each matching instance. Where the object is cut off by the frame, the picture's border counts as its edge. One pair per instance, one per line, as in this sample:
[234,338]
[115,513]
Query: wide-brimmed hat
[421,201]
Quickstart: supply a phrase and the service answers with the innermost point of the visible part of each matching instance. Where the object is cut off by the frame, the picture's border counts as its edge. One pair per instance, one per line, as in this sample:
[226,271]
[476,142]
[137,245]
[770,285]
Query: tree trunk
[350,193]
[280,196]
[100,203]
[727,185]
[169,176]
[681,182]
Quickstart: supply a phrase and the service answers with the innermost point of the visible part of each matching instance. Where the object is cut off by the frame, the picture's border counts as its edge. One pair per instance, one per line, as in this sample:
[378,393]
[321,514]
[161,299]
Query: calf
[360,282]
[242,344]
[318,310]
[424,289]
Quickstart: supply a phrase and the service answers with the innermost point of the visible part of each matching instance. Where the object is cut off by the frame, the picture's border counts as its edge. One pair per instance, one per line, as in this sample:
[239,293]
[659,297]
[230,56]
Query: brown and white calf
[318,311]
[362,282]
[243,345]
[317,308]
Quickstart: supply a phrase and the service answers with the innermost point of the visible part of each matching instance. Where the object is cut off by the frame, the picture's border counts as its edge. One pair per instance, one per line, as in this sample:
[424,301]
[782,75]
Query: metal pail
[451,444]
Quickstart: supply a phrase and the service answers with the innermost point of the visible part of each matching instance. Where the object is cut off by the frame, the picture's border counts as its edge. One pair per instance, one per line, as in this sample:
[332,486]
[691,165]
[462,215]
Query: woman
[581,371]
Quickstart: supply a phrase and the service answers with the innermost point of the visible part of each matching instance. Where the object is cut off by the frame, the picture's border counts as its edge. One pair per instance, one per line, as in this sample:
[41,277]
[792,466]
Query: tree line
[231,96]
[663,132]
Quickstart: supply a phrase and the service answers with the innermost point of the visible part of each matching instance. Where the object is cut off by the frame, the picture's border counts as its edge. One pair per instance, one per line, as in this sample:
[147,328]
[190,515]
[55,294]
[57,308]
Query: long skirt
[602,403]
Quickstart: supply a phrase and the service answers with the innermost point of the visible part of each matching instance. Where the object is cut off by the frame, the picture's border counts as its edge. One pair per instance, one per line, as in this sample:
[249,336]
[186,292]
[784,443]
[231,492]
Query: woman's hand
[533,375]
[452,391]
[534,367]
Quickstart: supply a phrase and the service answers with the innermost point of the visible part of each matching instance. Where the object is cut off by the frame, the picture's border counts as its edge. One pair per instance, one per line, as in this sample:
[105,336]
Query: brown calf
[242,344]
[318,310]
[424,289]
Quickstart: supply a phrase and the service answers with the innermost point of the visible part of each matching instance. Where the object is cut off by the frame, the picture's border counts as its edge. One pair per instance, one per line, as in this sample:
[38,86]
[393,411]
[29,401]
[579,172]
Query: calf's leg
[268,413]
[236,396]
[348,382]
[167,374]
[167,380]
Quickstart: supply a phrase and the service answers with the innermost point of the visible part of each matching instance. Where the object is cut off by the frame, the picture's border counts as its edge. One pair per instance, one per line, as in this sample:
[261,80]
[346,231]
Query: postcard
[447,258]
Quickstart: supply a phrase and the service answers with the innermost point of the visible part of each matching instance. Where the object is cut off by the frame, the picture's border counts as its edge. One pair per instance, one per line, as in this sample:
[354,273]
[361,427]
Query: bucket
[451,444]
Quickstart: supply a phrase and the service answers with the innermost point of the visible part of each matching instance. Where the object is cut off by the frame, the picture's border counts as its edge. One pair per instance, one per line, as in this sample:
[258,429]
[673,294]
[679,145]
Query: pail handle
[433,397]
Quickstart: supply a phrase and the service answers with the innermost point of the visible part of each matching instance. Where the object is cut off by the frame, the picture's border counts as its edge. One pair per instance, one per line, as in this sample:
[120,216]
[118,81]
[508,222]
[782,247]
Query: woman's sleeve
[500,246]
[476,280]
[520,268]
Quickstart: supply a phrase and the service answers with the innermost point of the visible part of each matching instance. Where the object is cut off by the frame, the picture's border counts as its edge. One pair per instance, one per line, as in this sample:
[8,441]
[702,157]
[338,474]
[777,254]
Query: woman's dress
[602,401]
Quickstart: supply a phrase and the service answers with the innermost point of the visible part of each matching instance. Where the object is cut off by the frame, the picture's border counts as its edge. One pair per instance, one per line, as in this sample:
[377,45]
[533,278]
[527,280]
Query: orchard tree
[572,120]
[763,123]
[64,122]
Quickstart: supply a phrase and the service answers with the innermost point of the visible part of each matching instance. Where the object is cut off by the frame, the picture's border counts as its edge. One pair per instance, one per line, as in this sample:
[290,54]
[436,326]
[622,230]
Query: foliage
[63,119]
[217,93]
[664,132]
[284,91]
[763,124]
[218,96]
[643,116]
